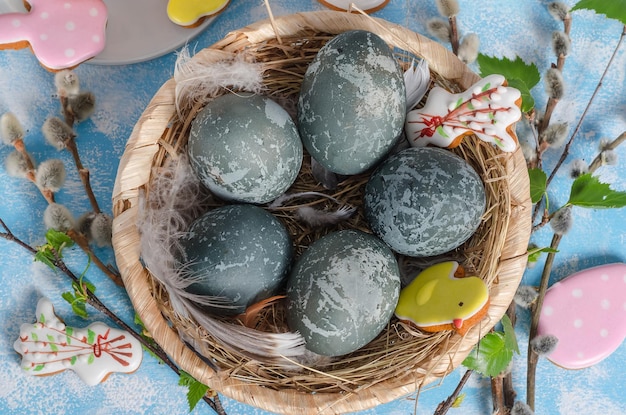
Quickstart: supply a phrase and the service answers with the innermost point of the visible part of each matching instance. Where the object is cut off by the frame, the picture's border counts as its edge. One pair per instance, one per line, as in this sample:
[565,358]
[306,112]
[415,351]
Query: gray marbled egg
[342,292]
[241,253]
[352,103]
[424,201]
[245,148]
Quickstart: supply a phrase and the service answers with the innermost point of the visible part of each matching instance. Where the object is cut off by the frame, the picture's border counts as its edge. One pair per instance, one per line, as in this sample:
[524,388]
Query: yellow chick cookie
[442,298]
[189,13]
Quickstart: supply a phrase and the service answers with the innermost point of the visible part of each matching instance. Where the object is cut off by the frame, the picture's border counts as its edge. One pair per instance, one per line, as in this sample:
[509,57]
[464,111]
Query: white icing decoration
[473,111]
[48,346]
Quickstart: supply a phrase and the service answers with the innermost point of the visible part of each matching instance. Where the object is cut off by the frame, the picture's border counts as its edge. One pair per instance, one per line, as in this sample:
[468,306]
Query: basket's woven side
[145,147]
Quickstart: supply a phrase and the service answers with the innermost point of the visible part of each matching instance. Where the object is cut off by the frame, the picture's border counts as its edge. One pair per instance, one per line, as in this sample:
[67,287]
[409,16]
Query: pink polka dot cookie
[61,33]
[587,313]
[48,346]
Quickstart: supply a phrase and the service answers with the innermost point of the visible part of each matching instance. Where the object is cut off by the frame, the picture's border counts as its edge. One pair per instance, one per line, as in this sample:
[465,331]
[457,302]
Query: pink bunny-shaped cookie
[61,33]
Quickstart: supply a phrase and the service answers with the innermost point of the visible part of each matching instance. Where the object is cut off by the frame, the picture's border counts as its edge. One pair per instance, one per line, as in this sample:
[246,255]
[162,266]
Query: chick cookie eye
[461,304]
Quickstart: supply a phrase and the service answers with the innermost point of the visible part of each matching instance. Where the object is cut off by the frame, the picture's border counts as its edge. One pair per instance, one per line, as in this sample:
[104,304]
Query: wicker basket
[398,362]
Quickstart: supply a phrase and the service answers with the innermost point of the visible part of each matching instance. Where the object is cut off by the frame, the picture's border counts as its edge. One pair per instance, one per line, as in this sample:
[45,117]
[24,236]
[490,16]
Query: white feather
[197,81]
[416,80]
[316,217]
[286,197]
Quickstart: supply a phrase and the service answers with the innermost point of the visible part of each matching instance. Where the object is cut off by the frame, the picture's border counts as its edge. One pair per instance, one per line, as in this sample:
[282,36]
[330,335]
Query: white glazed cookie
[48,346]
[487,109]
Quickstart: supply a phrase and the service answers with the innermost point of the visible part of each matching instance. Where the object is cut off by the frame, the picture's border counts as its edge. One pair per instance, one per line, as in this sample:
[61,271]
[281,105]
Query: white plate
[137,30]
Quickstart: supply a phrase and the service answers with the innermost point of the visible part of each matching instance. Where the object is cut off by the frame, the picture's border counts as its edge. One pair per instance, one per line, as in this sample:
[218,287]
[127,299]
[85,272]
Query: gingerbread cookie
[61,33]
[49,346]
[587,313]
[488,109]
[442,298]
[190,13]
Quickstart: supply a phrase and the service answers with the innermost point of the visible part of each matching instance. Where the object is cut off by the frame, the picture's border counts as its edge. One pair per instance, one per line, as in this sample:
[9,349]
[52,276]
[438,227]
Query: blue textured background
[506,28]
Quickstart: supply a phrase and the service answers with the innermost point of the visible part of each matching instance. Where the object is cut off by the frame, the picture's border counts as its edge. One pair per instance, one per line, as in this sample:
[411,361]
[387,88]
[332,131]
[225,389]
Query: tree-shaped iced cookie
[488,109]
[48,346]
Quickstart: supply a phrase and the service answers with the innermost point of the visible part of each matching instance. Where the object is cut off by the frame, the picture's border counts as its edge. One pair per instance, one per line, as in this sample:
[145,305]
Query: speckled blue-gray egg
[352,103]
[424,201]
[342,292]
[240,253]
[245,148]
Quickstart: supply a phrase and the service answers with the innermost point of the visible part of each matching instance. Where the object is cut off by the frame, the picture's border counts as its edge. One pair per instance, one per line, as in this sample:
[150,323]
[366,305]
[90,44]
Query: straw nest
[400,360]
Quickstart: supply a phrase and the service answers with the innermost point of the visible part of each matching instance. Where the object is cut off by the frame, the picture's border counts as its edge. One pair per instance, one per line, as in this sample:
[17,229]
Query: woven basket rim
[134,174]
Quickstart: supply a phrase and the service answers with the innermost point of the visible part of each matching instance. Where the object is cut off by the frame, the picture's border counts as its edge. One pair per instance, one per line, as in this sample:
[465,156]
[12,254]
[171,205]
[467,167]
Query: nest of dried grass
[400,360]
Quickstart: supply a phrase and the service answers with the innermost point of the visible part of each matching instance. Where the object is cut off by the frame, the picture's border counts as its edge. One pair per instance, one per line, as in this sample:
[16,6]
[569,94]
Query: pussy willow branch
[93,301]
[78,238]
[582,117]
[444,406]
[533,358]
[577,128]
[551,104]
[507,380]
[70,144]
[597,162]
[30,169]
[454,35]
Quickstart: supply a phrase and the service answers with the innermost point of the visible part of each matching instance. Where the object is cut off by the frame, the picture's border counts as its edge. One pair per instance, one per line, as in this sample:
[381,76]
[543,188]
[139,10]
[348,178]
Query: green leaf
[491,357]
[195,389]
[79,308]
[39,367]
[587,191]
[534,254]
[91,359]
[52,342]
[518,74]
[69,331]
[459,400]
[69,297]
[613,9]
[538,183]
[528,102]
[510,339]
[45,257]
[91,336]
[58,240]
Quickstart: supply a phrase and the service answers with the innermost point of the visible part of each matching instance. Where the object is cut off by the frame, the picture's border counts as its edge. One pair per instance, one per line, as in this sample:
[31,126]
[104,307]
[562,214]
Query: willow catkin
[10,128]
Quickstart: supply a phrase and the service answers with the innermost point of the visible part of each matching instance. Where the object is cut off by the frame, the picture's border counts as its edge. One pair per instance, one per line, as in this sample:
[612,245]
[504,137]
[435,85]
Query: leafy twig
[93,301]
[444,406]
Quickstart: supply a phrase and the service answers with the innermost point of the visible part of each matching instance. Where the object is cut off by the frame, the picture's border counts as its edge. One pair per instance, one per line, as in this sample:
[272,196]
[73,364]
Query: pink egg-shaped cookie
[587,313]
